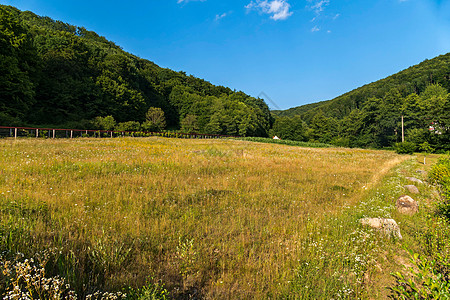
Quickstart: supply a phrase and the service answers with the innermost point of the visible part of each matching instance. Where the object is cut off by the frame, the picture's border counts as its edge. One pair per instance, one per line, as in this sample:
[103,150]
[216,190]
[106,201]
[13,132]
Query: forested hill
[412,80]
[370,116]
[59,74]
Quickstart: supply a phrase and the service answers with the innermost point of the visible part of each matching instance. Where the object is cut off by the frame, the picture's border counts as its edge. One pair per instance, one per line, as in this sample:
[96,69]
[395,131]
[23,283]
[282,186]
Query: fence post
[15,133]
[71,134]
[54,133]
[37,133]
[111,134]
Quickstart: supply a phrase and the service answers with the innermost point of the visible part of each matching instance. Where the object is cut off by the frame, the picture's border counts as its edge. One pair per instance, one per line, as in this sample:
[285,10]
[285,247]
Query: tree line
[370,116]
[378,122]
[57,74]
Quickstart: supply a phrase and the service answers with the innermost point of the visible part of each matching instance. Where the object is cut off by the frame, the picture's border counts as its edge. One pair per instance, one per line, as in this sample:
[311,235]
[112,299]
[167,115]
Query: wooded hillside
[370,116]
[59,74]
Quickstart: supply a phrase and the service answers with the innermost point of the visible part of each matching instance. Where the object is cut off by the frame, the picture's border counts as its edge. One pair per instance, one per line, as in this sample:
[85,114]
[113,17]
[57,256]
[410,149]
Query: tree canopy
[53,73]
[370,116]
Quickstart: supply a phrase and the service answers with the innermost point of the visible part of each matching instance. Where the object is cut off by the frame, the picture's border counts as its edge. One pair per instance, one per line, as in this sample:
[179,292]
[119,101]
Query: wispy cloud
[318,6]
[278,9]
[186,1]
[219,17]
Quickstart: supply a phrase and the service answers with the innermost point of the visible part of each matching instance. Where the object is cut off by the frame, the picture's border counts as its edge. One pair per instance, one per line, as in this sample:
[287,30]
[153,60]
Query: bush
[128,126]
[405,148]
[428,282]
[104,123]
[341,142]
[440,173]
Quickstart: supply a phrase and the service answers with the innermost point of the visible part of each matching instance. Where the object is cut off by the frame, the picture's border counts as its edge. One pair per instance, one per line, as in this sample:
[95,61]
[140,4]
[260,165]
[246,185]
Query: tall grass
[285,142]
[207,219]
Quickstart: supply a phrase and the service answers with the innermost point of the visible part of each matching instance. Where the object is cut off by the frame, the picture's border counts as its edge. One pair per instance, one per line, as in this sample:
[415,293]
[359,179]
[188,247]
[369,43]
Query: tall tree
[156,120]
[16,65]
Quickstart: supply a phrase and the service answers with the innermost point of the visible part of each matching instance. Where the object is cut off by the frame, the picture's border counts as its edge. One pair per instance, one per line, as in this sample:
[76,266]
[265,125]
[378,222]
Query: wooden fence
[15,132]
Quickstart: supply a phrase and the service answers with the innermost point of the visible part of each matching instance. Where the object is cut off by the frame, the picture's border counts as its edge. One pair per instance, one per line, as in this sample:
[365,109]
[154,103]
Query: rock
[412,189]
[386,226]
[414,180]
[407,205]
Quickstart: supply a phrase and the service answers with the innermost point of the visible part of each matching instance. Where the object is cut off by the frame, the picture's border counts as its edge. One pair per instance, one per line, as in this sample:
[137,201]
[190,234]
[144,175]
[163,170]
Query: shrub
[427,282]
[104,123]
[128,126]
[440,173]
[405,148]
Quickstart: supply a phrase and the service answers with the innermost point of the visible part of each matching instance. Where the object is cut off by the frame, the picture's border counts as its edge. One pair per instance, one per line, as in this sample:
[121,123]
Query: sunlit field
[200,218]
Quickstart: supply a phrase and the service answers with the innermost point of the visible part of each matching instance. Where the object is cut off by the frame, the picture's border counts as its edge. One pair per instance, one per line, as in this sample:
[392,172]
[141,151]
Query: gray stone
[387,227]
[407,205]
[412,189]
[414,180]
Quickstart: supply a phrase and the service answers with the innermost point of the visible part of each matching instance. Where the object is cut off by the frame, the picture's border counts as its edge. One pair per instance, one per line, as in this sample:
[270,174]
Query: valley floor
[209,219]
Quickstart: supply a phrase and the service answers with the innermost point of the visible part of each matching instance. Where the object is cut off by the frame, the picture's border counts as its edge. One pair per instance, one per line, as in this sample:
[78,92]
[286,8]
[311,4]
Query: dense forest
[370,116]
[53,73]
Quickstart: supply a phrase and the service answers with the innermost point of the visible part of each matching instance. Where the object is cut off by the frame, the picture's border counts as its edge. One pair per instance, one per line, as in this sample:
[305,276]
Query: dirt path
[387,166]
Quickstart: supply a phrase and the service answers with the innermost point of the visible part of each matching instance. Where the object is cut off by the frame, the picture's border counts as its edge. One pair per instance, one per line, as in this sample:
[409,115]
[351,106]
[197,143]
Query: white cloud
[218,17]
[186,1]
[318,5]
[315,29]
[278,9]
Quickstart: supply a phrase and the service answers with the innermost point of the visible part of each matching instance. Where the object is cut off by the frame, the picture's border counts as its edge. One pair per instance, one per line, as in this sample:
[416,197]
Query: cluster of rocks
[404,205]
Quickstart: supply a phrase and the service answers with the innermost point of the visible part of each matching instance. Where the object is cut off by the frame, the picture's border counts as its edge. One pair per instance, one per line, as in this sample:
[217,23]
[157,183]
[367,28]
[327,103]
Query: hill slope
[56,73]
[370,116]
[412,80]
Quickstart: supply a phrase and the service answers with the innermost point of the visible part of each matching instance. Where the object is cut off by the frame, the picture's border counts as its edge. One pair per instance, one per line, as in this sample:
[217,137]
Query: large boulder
[413,179]
[387,227]
[412,189]
[407,205]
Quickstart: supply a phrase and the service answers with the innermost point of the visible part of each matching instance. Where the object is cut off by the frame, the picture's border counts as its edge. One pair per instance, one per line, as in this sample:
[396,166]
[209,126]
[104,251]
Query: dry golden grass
[212,218]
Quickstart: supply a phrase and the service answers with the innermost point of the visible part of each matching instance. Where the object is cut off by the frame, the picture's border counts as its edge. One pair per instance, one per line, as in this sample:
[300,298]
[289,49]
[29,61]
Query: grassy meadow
[212,219]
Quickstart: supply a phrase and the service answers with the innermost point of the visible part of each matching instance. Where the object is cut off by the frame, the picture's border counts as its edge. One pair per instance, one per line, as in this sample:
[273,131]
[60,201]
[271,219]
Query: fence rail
[16,132]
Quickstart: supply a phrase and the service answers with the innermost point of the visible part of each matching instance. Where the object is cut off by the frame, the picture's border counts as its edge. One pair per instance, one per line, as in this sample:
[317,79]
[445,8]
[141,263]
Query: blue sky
[295,52]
